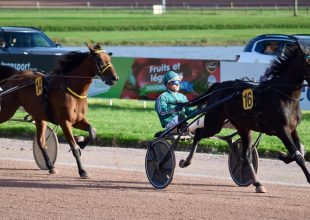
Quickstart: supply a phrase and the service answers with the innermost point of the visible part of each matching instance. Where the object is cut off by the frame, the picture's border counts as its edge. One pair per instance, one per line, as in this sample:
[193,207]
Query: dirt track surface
[119,189]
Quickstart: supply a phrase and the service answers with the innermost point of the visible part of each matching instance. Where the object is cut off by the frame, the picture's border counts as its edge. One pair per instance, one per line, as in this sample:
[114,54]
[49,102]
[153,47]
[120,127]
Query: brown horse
[61,99]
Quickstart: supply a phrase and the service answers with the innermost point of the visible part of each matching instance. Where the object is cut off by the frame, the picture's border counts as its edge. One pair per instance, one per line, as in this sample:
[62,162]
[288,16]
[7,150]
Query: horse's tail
[203,99]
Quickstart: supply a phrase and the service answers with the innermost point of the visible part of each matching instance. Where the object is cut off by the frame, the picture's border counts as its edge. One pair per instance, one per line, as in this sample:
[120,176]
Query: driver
[168,111]
[272,48]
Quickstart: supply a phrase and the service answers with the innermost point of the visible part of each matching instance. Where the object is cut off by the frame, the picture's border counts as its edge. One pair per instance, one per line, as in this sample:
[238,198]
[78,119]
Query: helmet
[171,76]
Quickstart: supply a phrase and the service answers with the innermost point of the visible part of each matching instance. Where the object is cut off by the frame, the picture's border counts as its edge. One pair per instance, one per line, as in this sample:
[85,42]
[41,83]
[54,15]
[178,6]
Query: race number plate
[247,99]
[39,88]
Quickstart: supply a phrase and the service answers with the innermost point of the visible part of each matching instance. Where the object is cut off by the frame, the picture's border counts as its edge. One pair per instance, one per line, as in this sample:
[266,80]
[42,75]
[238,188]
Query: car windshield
[305,44]
[28,39]
[270,47]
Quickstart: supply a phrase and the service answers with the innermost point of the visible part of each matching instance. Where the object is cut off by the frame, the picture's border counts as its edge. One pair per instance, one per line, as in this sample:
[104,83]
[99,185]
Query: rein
[101,71]
[286,96]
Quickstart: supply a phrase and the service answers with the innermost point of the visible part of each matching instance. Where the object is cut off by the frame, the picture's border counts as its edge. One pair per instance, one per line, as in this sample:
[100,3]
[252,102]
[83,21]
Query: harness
[47,82]
[46,87]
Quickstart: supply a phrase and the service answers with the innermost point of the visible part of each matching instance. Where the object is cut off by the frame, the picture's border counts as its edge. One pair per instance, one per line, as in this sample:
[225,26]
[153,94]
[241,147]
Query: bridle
[101,67]
[307,57]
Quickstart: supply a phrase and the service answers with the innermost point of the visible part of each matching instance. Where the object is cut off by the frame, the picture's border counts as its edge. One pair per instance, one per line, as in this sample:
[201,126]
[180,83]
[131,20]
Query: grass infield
[128,124]
[141,27]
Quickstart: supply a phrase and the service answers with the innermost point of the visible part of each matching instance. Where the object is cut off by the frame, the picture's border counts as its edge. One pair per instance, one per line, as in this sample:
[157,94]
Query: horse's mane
[279,64]
[68,62]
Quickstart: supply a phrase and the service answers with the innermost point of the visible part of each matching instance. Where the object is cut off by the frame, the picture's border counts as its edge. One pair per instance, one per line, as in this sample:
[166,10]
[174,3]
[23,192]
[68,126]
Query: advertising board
[140,78]
[145,81]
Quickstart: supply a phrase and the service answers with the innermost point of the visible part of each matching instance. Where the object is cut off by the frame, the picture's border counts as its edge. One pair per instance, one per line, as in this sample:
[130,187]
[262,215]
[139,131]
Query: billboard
[140,78]
[145,80]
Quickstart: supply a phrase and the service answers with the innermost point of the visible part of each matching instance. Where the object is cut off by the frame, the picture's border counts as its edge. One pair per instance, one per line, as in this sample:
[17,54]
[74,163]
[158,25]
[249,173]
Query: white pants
[173,122]
[197,124]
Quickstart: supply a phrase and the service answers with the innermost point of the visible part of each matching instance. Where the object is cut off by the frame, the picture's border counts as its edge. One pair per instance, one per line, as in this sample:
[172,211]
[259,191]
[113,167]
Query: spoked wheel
[159,163]
[52,148]
[238,171]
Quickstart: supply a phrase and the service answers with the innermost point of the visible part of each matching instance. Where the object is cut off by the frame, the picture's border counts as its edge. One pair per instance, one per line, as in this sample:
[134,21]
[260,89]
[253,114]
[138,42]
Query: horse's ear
[97,46]
[90,46]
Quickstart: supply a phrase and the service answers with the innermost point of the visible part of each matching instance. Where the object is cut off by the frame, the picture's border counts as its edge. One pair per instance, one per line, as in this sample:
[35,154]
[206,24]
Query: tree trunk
[295,7]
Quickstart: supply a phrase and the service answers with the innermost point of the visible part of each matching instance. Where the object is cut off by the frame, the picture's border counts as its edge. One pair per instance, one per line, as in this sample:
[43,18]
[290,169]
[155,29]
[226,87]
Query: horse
[275,110]
[59,97]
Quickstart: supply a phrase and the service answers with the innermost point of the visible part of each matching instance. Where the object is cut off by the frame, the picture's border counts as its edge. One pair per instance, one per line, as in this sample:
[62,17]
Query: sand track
[119,188]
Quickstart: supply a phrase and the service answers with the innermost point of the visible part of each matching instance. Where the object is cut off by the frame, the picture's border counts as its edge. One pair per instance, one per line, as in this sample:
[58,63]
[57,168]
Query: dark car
[265,48]
[28,40]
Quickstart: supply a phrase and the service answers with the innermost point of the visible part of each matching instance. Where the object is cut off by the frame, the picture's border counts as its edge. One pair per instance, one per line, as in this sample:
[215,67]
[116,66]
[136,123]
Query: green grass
[128,124]
[180,37]
[187,27]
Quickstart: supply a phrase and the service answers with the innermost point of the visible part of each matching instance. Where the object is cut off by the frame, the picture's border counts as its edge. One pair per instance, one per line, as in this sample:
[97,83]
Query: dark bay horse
[59,97]
[275,110]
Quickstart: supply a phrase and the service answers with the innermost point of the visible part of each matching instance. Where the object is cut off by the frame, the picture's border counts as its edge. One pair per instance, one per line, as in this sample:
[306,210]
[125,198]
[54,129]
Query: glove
[178,107]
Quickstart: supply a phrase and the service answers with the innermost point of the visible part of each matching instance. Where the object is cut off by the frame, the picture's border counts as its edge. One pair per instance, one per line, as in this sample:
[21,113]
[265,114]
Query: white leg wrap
[296,154]
[197,124]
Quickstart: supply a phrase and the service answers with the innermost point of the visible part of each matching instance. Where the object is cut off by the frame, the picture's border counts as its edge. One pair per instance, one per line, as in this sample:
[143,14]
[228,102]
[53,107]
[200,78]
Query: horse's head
[305,48]
[105,69]
[307,76]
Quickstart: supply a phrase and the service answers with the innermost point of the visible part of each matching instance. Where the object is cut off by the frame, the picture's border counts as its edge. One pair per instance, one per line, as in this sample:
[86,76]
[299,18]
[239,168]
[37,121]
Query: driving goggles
[175,82]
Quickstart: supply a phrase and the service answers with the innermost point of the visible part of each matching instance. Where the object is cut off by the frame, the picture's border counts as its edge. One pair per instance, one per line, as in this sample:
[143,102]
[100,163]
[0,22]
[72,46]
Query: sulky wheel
[159,163]
[238,171]
[52,148]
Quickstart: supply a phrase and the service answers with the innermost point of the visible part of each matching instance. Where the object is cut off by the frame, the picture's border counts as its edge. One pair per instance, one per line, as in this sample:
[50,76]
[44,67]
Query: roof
[19,29]
[292,38]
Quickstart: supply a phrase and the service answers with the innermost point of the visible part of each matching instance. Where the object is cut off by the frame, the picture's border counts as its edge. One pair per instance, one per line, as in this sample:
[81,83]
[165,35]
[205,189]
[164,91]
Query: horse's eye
[98,59]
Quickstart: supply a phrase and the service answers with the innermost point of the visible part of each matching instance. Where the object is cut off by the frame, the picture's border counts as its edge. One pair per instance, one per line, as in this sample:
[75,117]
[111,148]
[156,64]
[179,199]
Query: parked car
[28,40]
[258,49]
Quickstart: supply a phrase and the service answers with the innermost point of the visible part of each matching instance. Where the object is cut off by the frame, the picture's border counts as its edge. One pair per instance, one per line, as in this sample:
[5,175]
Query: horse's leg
[213,125]
[7,110]
[67,130]
[298,143]
[188,161]
[246,138]
[41,139]
[84,125]
[288,142]
[287,158]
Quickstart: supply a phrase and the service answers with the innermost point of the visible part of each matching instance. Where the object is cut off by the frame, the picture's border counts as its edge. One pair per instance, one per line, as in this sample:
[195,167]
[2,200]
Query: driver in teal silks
[168,111]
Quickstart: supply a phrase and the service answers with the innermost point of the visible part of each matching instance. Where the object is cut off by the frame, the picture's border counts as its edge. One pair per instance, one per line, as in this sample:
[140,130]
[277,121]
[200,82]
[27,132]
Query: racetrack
[119,188]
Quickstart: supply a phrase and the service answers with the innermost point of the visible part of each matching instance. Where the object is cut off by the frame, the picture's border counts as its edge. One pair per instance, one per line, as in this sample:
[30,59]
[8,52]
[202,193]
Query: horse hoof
[53,171]
[261,189]
[84,175]
[183,163]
